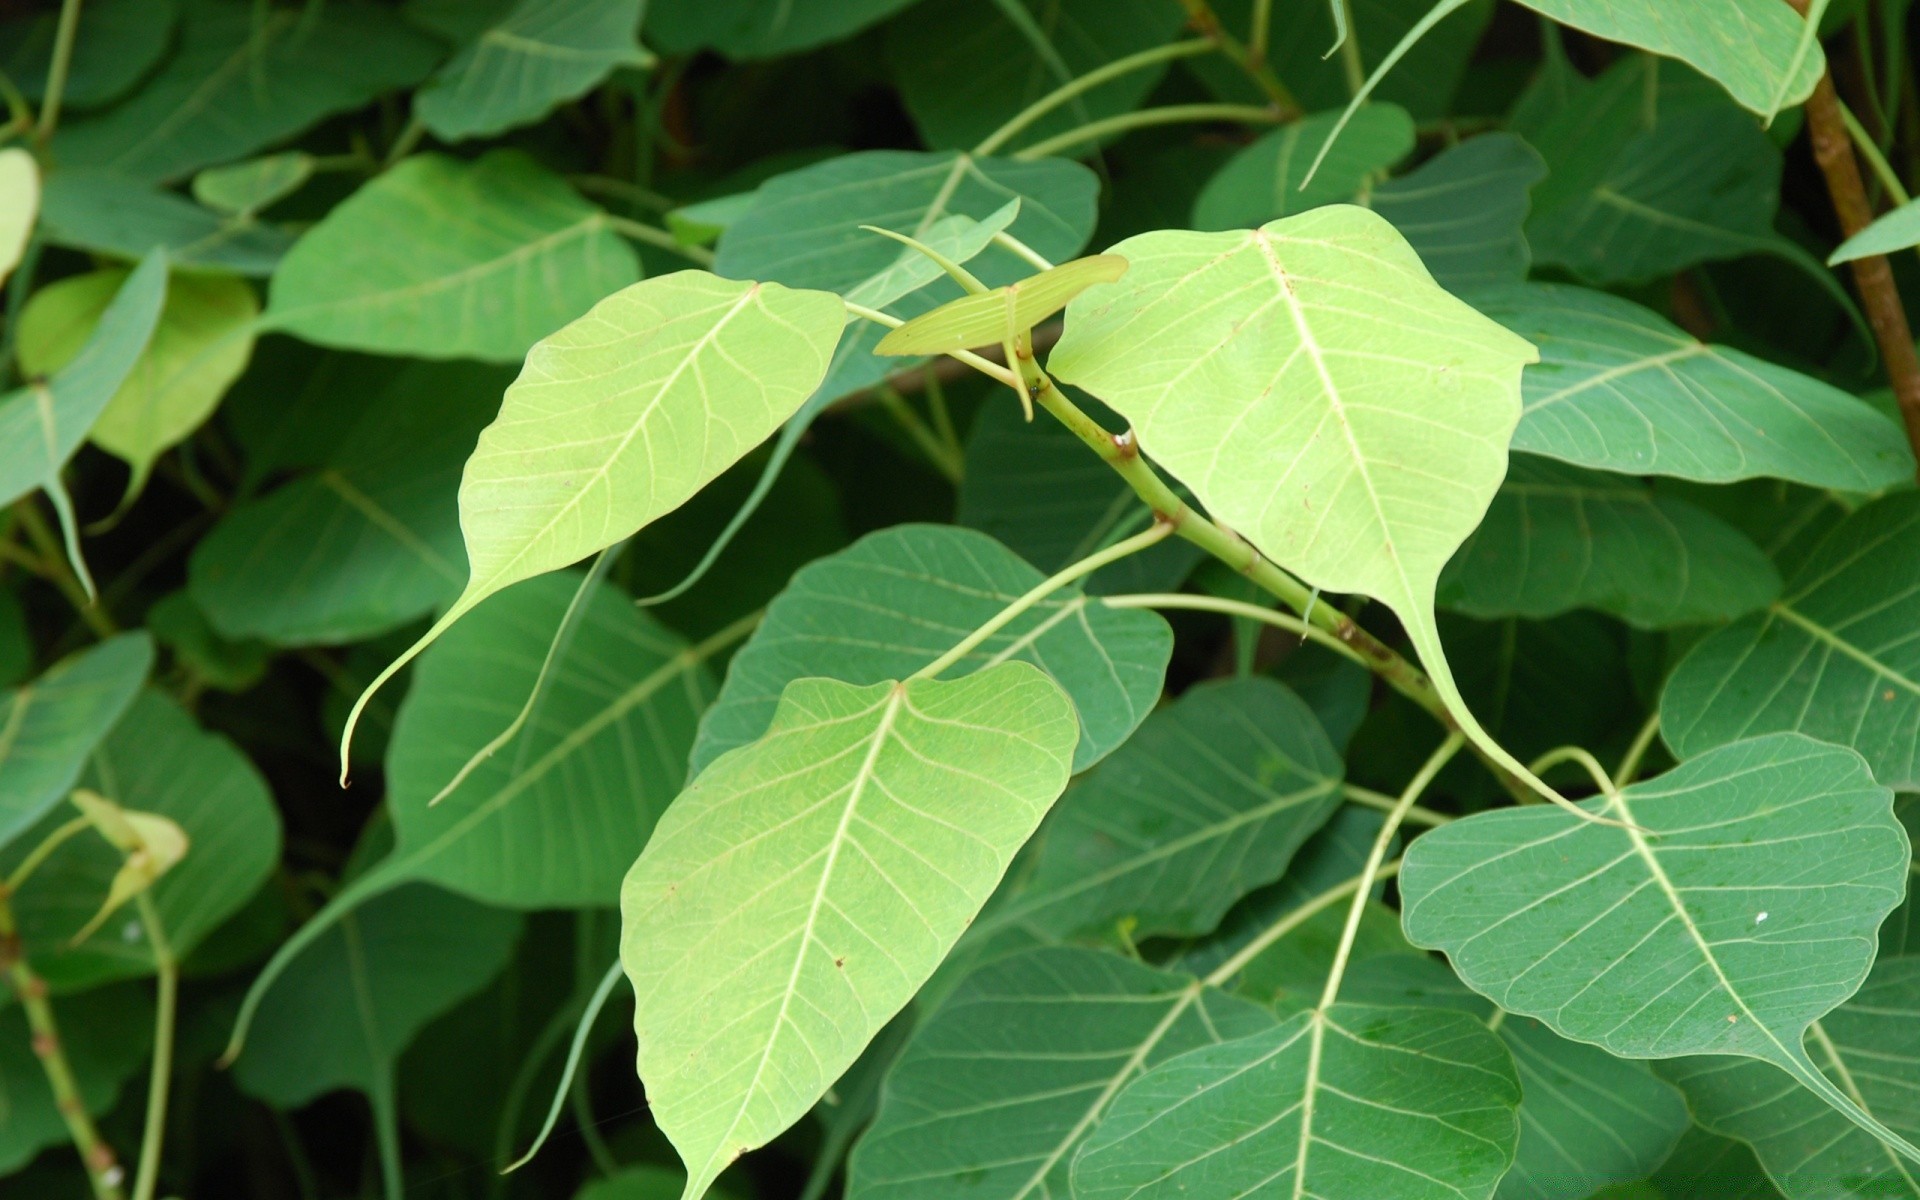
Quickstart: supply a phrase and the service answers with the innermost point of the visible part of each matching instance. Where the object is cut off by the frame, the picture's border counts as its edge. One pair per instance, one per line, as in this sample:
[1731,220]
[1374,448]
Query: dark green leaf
[1464,209]
[53,723]
[541,53]
[116,43]
[1263,181]
[111,214]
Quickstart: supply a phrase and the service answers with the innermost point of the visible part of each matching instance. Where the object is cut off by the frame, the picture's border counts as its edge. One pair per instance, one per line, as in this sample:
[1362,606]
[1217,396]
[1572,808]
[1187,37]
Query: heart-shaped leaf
[54,722]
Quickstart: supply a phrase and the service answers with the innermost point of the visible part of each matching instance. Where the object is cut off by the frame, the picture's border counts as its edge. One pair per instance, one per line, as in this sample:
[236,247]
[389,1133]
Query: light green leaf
[957,238]
[1866,1047]
[1208,801]
[896,600]
[540,54]
[1003,1082]
[1620,388]
[1034,488]
[1559,538]
[964,67]
[200,346]
[1835,657]
[818,876]
[1744,911]
[744,29]
[237,85]
[500,254]
[1262,182]
[344,1011]
[19,206]
[1320,394]
[368,541]
[1417,1104]
[991,317]
[107,1033]
[111,214]
[1463,210]
[1896,230]
[247,187]
[156,760]
[115,44]
[49,726]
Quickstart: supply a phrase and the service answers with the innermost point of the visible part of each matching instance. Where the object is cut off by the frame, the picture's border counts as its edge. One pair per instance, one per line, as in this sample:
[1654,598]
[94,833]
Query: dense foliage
[1010,599]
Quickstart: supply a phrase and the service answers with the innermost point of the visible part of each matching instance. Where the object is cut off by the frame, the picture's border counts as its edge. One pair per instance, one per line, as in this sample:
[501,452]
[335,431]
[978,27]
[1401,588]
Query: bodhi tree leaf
[1867,1047]
[1208,801]
[19,206]
[1320,394]
[1464,210]
[244,188]
[156,760]
[1558,538]
[1003,1082]
[1704,1161]
[200,346]
[743,29]
[115,44]
[1263,181]
[896,600]
[1835,657]
[499,253]
[1740,910]
[989,318]
[1896,230]
[110,214]
[817,877]
[108,1035]
[540,54]
[49,726]
[238,84]
[1350,1101]
[1620,388]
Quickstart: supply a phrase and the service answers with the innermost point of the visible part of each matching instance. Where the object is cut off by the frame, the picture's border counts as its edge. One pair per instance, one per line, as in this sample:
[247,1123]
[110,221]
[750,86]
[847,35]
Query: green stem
[1259,29]
[1024,119]
[39,854]
[1206,22]
[632,193]
[1159,531]
[1171,114]
[386,1134]
[1441,755]
[1581,756]
[1369,798]
[985,366]
[582,1030]
[1876,161]
[410,135]
[167,970]
[1236,608]
[942,416]
[1294,919]
[60,570]
[938,452]
[639,231]
[1642,742]
[63,36]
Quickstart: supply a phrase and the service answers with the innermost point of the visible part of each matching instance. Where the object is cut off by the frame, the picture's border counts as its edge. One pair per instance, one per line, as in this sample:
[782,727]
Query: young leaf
[1004,1081]
[896,600]
[1742,914]
[1866,1047]
[991,317]
[1352,1101]
[54,722]
[1319,393]
[501,253]
[19,206]
[1208,801]
[1558,538]
[110,214]
[540,54]
[200,346]
[1464,209]
[1620,388]
[1896,230]
[1835,657]
[1263,182]
[957,238]
[816,878]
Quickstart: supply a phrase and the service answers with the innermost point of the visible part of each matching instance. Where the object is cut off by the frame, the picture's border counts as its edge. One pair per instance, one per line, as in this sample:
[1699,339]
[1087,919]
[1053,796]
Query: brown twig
[1833,150]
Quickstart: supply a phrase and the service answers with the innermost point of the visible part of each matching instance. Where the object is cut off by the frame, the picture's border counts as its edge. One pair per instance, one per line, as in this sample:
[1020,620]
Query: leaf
[208,659]
[49,726]
[345,1010]
[989,318]
[1891,231]
[1834,657]
[1352,1101]
[1003,1082]
[198,349]
[1263,181]
[896,600]
[1704,1160]
[1867,1048]
[107,1036]
[1208,801]
[1745,912]
[371,539]
[958,238]
[746,29]
[1559,537]
[964,68]
[111,214]
[234,87]
[1622,389]
[115,44]
[244,188]
[1464,209]
[501,254]
[19,206]
[640,1183]
[818,876]
[1231,353]
[156,760]
[540,54]
[1035,489]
